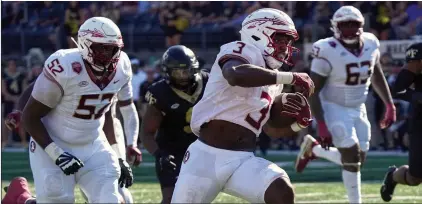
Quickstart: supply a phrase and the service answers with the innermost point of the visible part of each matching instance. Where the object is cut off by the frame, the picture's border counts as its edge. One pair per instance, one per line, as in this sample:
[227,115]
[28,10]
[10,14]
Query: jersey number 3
[264,112]
[91,108]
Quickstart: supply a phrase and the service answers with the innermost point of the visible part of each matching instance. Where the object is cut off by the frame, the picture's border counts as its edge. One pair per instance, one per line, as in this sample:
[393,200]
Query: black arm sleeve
[401,88]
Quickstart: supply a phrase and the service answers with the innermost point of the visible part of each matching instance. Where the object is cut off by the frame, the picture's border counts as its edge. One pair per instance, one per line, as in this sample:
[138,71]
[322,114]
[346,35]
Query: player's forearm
[316,107]
[401,86]
[148,140]
[36,129]
[23,99]
[131,123]
[379,83]
[248,75]
[108,128]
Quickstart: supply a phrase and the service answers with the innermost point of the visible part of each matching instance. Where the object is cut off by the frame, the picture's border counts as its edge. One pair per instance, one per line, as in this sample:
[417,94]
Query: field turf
[319,183]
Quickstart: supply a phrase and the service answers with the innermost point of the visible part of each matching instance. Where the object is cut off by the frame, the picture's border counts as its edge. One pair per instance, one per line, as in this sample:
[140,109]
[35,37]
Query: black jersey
[14,83]
[175,134]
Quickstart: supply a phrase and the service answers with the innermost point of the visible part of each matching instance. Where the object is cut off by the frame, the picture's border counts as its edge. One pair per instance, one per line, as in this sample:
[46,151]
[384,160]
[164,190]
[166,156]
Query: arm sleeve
[131,123]
[321,66]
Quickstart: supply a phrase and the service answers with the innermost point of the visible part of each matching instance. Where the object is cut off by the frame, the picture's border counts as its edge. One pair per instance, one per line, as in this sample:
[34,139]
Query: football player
[65,117]
[243,83]
[168,114]
[343,68]
[410,175]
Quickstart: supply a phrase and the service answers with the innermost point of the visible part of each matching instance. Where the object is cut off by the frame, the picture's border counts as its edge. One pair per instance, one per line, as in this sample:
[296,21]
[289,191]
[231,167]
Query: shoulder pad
[243,51]
[321,47]
[370,38]
[57,66]
[155,92]
[125,64]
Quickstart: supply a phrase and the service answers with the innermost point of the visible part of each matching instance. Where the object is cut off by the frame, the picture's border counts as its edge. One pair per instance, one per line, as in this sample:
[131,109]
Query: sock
[351,182]
[332,154]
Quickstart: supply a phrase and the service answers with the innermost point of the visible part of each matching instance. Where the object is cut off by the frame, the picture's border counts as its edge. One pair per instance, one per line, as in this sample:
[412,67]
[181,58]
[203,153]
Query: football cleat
[388,186]
[305,154]
[17,192]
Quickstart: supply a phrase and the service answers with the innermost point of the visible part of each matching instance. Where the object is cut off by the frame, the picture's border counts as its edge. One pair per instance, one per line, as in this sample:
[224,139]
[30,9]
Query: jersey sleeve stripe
[51,78]
[227,57]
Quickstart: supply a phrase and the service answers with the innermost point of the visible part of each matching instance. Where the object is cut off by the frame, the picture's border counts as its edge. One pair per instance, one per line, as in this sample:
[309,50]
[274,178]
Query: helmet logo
[94,33]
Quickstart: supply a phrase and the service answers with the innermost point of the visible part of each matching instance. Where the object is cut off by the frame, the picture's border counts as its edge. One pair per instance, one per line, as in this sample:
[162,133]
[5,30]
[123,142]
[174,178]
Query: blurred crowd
[388,20]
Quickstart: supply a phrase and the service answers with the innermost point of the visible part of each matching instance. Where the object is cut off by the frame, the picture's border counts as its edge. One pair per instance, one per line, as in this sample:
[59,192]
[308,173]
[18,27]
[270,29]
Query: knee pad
[338,129]
[54,190]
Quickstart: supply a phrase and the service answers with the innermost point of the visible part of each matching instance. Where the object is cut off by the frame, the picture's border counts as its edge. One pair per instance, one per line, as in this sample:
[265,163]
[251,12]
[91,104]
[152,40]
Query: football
[277,119]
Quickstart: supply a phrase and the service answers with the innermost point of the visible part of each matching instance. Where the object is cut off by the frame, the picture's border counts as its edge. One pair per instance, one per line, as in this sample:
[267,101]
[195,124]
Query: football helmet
[347,24]
[100,43]
[180,66]
[273,32]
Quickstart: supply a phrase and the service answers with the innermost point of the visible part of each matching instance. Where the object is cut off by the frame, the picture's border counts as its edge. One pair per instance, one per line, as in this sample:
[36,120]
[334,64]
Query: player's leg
[406,175]
[260,181]
[121,146]
[98,179]
[18,192]
[51,184]
[204,172]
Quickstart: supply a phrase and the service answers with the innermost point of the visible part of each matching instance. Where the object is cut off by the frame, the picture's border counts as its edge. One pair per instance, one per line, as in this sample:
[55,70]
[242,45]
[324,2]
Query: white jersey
[77,97]
[348,75]
[247,107]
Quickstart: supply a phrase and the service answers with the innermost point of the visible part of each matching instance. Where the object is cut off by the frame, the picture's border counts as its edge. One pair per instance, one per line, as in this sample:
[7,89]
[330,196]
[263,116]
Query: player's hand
[298,109]
[389,116]
[126,176]
[68,163]
[304,82]
[13,120]
[134,155]
[166,161]
[324,135]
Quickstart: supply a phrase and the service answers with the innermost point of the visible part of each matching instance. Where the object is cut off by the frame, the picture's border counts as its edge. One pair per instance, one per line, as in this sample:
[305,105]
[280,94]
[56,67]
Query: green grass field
[320,182]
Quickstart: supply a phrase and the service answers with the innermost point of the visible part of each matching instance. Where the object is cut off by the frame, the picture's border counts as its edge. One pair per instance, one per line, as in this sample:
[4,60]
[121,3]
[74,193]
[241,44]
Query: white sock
[351,181]
[332,154]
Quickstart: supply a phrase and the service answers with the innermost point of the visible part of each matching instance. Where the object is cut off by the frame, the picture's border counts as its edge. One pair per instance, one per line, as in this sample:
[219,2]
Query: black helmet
[414,52]
[180,65]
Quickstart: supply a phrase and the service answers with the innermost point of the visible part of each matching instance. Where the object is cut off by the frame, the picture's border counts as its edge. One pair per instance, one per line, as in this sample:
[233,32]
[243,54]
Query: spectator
[264,4]
[380,21]
[49,19]
[92,11]
[415,18]
[138,78]
[151,77]
[35,71]
[13,83]
[230,12]
[129,8]
[111,11]
[13,17]
[173,20]
[206,13]
[73,16]
[319,27]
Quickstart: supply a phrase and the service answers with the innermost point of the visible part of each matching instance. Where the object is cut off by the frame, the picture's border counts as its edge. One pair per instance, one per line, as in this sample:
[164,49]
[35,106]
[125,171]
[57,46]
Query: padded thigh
[252,178]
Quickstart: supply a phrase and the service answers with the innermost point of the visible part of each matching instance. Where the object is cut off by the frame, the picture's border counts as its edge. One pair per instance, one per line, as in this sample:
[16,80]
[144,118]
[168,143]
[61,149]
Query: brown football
[277,119]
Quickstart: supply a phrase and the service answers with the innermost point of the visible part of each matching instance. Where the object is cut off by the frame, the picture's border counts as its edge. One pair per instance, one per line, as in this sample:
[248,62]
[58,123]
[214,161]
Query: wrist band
[295,127]
[53,151]
[284,78]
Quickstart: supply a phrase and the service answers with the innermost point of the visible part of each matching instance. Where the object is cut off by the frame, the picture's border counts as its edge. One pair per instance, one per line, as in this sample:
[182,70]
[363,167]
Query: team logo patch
[174,106]
[32,146]
[186,158]
[77,67]
[83,83]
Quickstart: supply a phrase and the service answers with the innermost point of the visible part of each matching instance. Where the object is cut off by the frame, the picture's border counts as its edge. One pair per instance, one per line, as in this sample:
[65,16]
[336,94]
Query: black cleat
[388,186]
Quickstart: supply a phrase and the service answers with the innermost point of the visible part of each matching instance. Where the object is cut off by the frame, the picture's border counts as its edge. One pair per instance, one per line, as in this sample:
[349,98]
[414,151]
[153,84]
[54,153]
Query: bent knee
[280,191]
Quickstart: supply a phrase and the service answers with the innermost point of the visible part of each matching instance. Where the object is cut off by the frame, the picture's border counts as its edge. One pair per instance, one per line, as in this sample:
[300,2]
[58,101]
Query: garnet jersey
[175,134]
[247,107]
[77,97]
[348,75]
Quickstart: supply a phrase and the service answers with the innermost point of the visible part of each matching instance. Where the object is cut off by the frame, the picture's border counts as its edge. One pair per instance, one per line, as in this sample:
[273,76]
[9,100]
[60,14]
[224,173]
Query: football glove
[126,176]
[304,82]
[166,161]
[324,135]
[68,163]
[134,155]
[300,110]
[389,116]
[13,120]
